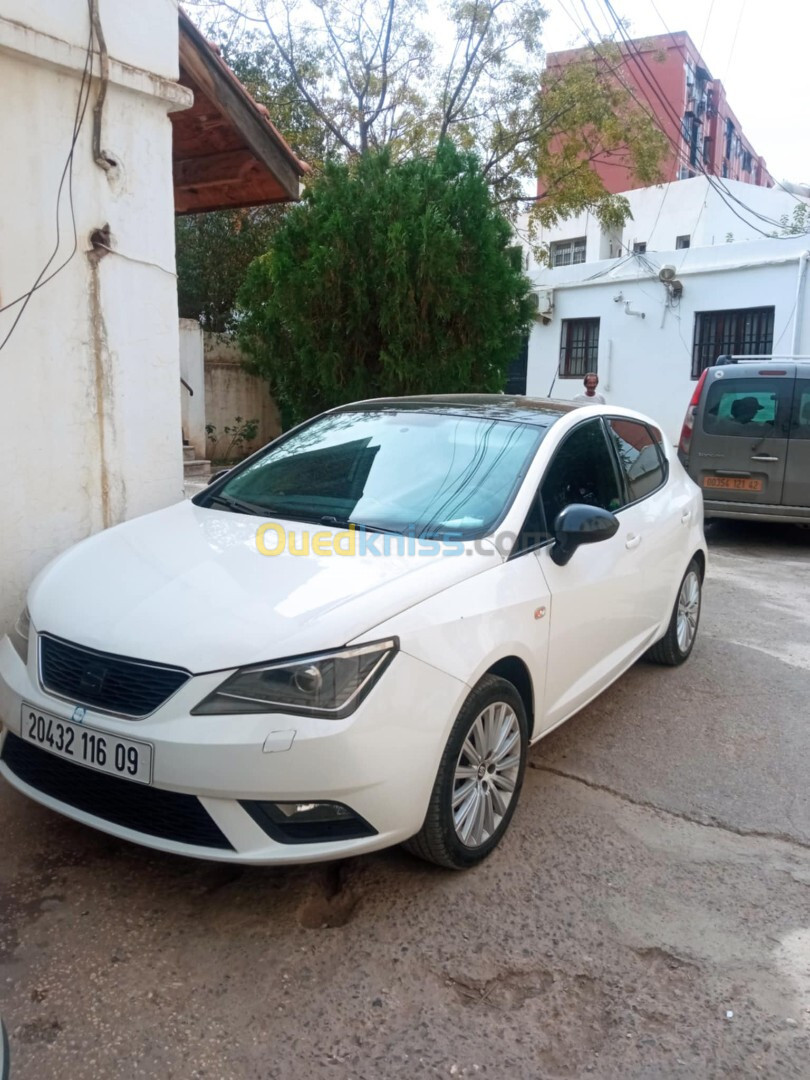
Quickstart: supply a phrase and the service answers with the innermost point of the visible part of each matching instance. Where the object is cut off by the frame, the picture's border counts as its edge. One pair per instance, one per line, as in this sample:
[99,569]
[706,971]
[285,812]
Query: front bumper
[381,762]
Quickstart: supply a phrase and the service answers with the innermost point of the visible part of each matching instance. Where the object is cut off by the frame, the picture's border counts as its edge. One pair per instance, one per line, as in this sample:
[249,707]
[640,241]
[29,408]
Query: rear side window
[639,456]
[581,471]
[801,411]
[744,407]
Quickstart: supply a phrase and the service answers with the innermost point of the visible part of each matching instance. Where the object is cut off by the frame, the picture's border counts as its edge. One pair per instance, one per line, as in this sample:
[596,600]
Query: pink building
[668,77]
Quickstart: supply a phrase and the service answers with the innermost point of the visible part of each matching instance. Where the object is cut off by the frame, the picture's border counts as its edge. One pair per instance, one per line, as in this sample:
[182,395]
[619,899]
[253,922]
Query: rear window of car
[743,407]
[639,451]
[801,415]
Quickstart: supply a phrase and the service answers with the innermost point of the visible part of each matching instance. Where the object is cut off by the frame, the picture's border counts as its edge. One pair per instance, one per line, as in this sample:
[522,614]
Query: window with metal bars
[740,332]
[579,347]
[567,252]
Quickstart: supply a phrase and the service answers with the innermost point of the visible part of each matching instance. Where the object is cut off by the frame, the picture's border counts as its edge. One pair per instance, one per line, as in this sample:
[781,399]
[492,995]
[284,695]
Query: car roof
[541,412]
[762,366]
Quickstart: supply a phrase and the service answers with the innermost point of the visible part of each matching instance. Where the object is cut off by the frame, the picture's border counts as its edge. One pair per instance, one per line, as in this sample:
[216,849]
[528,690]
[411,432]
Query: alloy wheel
[688,610]
[486,774]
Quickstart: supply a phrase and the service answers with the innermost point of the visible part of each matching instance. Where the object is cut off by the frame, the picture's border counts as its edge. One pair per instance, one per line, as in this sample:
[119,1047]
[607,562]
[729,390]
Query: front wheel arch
[515,671]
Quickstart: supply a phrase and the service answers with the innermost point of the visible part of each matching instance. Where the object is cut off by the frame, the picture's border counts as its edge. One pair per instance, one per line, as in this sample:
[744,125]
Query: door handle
[686,517]
[632,542]
[763,457]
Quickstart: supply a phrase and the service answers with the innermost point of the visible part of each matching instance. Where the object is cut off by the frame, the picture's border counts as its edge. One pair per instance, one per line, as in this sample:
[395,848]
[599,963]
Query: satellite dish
[666,273]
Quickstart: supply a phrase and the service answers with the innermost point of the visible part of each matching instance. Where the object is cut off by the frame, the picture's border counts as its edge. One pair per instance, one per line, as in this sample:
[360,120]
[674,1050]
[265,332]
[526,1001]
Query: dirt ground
[648,914]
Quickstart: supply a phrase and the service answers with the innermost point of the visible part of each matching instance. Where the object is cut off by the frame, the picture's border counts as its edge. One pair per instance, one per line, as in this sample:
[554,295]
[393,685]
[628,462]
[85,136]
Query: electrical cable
[134,259]
[656,89]
[67,173]
[649,77]
[706,27]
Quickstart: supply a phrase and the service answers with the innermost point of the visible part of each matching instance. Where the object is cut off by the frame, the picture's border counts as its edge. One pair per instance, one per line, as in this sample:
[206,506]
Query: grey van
[746,439]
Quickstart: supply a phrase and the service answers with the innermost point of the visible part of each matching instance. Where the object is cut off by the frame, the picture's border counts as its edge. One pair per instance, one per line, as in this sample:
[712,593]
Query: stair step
[189,453]
[198,467]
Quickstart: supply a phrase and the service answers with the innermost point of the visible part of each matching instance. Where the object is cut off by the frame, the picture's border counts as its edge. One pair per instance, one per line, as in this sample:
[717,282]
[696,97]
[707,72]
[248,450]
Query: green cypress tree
[389,278]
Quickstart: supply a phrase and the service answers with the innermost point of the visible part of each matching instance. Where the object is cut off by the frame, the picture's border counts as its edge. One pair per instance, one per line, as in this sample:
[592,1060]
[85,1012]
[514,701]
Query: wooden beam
[210,169]
[203,67]
[189,202]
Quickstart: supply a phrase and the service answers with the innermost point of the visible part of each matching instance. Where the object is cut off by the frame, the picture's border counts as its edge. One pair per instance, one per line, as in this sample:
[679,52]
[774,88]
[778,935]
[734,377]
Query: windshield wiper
[345,523]
[237,506]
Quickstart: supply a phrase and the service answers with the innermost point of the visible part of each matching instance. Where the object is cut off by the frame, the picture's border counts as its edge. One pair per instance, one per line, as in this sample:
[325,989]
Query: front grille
[112,683]
[167,814]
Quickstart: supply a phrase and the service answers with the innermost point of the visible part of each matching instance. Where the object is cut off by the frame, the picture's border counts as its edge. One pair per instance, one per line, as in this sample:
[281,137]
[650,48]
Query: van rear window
[801,415]
[743,407]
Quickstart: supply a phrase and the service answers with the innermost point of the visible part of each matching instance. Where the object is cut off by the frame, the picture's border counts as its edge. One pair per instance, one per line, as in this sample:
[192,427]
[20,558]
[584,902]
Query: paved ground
[647,916]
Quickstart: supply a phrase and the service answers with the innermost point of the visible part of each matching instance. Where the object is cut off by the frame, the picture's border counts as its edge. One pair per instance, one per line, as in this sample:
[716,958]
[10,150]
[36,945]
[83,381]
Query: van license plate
[88,746]
[732,483]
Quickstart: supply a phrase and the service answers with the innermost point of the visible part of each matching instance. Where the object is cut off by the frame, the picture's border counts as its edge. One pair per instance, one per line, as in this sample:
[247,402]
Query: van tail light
[689,420]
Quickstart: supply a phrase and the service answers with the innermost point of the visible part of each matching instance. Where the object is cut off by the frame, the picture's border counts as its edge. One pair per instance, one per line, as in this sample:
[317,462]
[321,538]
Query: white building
[97,116]
[92,362]
[605,308]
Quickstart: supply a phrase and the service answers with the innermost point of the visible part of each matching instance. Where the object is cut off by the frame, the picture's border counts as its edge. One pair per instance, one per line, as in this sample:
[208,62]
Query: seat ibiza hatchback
[351,639]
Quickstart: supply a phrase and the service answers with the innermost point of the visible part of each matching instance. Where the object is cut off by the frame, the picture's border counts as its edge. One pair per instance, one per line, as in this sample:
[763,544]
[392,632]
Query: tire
[494,708]
[676,645]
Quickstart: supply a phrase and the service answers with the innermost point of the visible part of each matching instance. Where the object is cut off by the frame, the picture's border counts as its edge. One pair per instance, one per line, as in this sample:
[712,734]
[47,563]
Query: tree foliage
[389,278]
[404,74]
[797,223]
[586,117]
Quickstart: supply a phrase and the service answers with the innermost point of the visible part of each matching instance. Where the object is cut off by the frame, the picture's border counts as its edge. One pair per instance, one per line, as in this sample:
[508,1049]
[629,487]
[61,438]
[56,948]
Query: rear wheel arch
[700,558]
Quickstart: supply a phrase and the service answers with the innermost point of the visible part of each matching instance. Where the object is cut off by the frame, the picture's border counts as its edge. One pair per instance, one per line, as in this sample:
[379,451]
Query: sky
[760,51]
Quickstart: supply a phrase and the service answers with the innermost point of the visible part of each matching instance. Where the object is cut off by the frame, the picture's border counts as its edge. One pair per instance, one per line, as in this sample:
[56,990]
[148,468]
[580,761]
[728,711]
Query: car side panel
[467,628]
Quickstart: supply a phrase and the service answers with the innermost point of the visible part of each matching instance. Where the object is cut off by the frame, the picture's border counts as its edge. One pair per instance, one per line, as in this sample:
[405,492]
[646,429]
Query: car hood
[188,586]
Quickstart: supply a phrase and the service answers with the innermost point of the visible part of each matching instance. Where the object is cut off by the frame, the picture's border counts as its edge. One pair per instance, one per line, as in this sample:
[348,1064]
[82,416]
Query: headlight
[330,684]
[20,633]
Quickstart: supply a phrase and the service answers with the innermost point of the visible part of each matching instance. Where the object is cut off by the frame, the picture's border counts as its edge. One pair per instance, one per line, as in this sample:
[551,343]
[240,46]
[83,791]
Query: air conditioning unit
[543,302]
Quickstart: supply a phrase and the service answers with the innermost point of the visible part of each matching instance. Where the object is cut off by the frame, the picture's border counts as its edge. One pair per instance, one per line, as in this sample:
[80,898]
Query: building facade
[89,371]
[648,324]
[679,215]
[669,78]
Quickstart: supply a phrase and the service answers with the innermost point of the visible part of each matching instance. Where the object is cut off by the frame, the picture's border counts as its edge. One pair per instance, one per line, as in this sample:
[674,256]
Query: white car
[351,639]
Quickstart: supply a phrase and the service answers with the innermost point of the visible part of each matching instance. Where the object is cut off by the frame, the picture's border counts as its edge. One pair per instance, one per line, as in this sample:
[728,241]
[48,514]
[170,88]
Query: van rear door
[796,487]
[741,443]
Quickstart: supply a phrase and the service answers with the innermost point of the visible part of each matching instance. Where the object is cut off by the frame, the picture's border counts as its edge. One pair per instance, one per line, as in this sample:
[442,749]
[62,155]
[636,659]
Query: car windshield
[427,473]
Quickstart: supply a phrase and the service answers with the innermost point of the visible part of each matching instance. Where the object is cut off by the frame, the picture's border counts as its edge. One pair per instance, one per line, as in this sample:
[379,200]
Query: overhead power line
[663,102]
[655,88]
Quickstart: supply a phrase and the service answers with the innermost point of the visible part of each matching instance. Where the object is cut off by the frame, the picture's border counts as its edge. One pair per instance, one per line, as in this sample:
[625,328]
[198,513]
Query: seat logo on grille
[92,680]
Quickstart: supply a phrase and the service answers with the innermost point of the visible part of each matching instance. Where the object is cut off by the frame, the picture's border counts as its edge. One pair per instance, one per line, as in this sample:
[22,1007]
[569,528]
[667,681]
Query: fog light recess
[307,822]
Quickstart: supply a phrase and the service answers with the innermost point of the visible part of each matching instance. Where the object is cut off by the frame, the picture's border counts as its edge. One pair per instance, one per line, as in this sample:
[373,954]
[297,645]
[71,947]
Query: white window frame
[567,252]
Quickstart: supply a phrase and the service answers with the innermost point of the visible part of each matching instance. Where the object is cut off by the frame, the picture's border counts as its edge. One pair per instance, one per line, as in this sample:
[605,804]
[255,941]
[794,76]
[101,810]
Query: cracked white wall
[89,379]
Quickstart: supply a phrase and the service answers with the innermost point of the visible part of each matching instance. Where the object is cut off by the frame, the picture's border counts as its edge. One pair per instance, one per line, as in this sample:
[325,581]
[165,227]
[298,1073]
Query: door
[657,511]
[796,489]
[739,447]
[597,617]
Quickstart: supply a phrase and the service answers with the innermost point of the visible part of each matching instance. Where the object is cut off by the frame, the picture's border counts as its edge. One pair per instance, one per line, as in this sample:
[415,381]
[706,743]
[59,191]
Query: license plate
[732,483]
[88,746]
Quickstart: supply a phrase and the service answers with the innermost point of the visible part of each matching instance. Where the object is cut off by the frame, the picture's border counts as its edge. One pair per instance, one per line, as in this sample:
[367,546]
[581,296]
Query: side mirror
[217,475]
[580,524]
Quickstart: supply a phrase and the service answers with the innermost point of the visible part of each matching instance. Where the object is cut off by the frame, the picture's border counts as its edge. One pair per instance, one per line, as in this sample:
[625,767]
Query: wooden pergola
[226,152]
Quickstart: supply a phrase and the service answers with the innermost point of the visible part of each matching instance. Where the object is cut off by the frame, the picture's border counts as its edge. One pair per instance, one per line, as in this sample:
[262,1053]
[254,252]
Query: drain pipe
[799,305]
[609,363]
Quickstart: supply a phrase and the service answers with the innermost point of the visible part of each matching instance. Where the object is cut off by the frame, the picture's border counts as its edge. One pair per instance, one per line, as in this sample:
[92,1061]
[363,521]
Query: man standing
[590,396]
